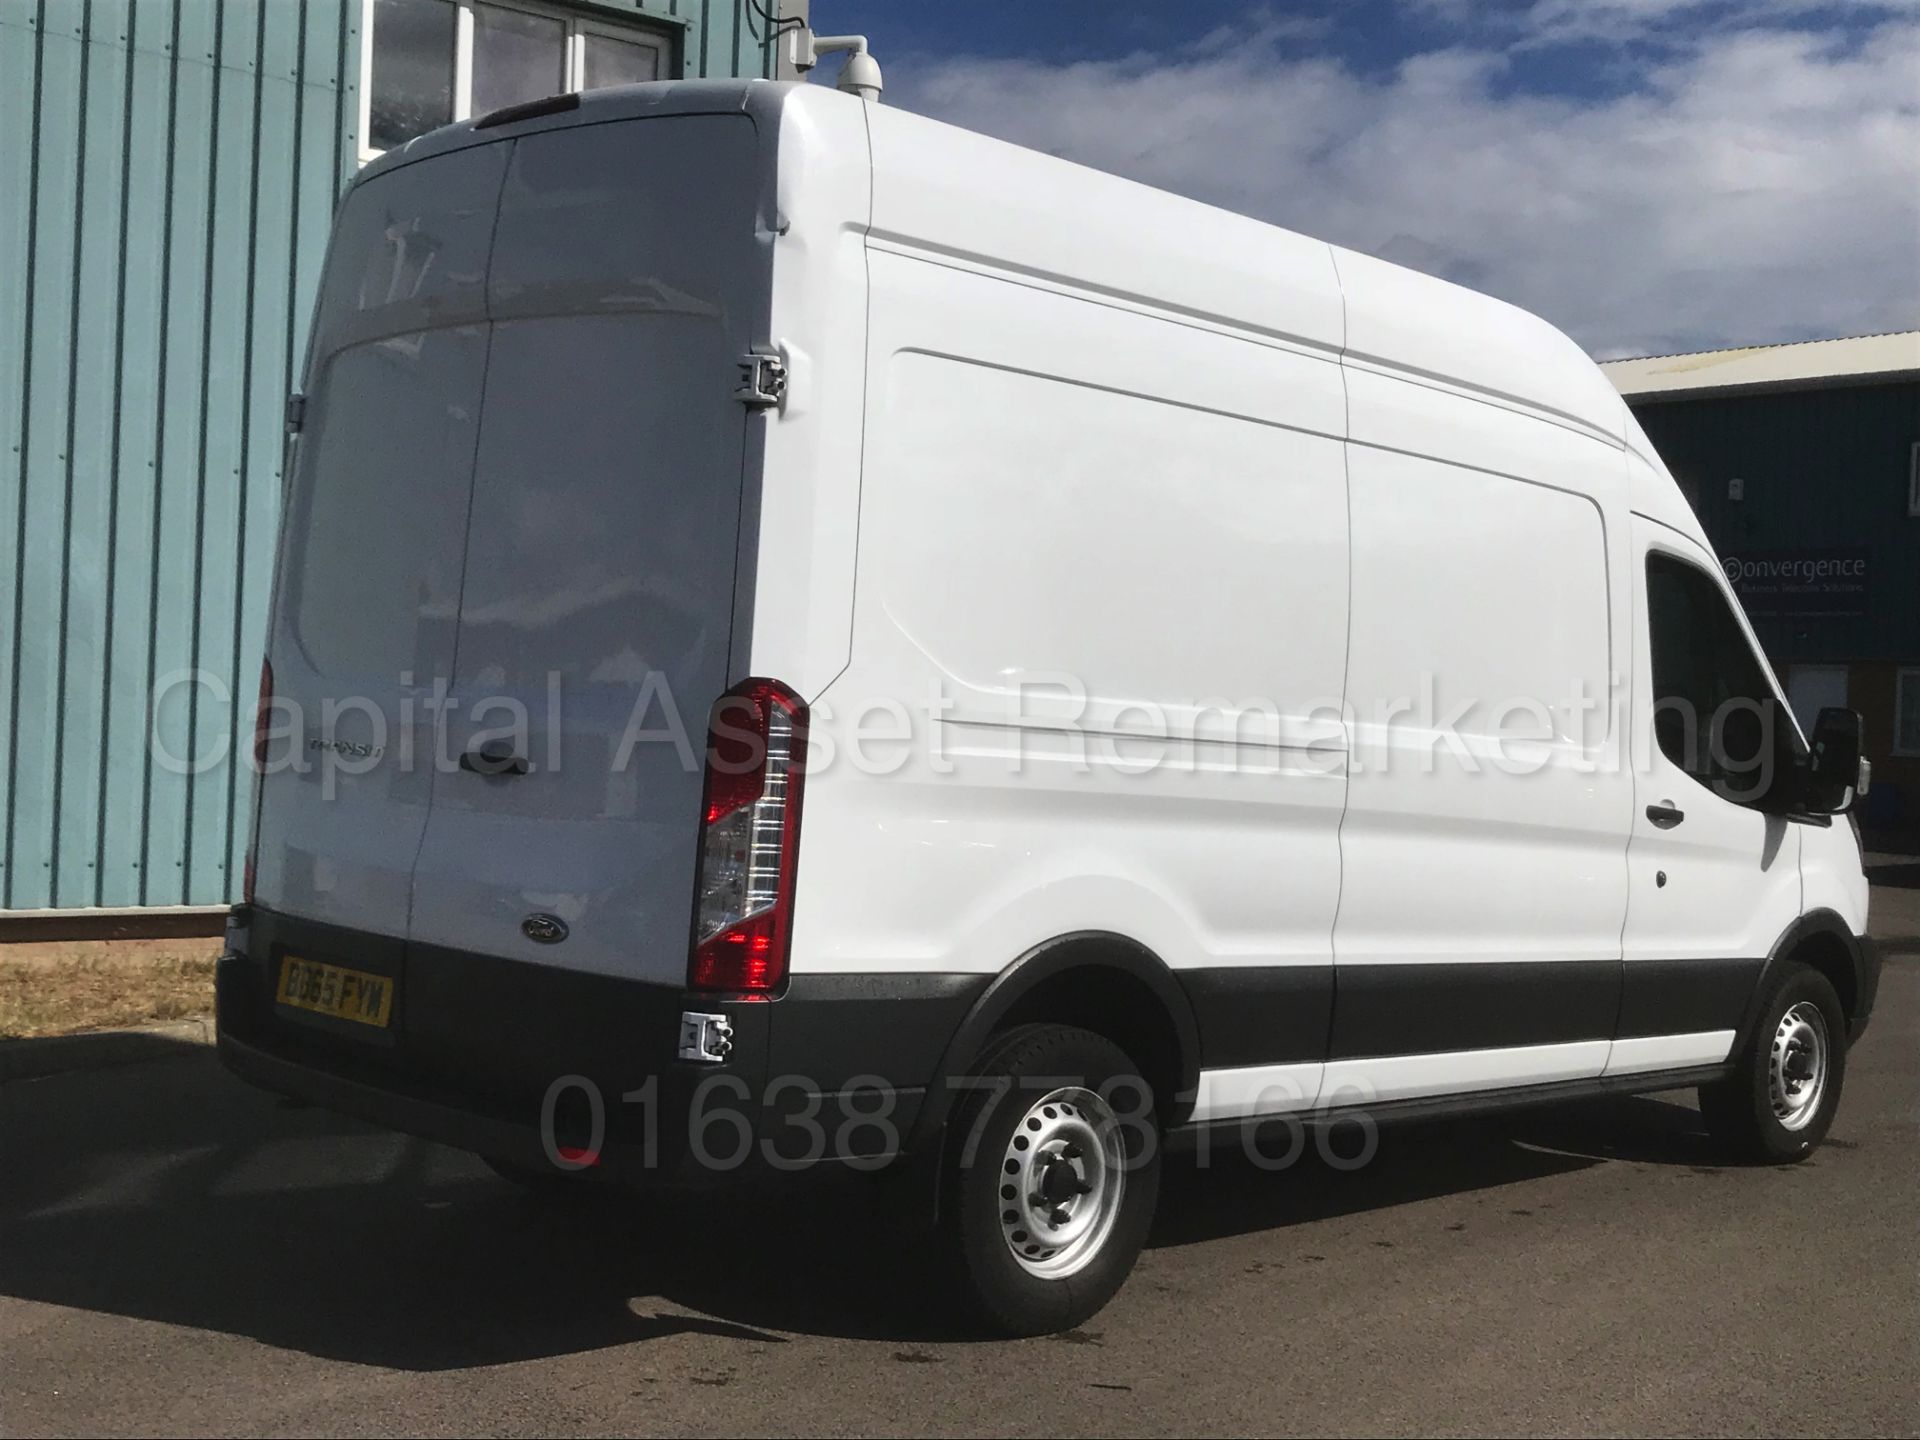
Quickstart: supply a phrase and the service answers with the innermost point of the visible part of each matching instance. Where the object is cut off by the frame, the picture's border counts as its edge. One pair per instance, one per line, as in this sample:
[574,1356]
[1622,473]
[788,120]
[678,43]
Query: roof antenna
[859,76]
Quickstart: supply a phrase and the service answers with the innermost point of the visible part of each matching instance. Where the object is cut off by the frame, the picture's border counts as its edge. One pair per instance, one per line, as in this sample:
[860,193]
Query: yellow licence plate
[333,990]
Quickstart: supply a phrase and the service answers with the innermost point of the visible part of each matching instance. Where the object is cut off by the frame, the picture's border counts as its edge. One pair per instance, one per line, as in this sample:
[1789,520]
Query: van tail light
[262,716]
[749,839]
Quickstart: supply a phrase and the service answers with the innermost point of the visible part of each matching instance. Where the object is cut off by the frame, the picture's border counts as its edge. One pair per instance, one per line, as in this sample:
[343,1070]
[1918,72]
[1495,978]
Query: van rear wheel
[1052,1172]
[1780,1101]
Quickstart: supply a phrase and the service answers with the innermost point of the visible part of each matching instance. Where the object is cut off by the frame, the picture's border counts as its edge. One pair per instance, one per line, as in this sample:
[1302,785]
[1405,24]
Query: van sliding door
[1483,856]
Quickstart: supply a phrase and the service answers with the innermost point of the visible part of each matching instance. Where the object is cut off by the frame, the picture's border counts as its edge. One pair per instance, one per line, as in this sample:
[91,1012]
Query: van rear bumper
[535,1101]
[387,1106]
[522,1062]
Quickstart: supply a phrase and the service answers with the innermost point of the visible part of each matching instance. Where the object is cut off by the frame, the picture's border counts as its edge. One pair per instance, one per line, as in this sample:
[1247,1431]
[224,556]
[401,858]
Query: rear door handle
[1665,815]
[494,758]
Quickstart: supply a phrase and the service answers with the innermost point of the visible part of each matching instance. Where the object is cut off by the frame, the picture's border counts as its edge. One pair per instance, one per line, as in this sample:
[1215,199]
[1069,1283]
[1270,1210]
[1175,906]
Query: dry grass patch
[69,986]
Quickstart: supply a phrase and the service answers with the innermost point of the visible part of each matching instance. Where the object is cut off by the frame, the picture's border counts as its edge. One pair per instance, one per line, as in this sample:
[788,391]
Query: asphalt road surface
[179,1253]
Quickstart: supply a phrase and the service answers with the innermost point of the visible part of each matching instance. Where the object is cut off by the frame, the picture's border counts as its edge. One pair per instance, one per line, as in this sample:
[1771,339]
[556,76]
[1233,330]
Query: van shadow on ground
[172,1192]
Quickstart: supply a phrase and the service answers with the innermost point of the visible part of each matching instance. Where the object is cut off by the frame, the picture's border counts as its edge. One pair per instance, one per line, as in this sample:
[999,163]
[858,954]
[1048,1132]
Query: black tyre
[1049,1180]
[1780,1101]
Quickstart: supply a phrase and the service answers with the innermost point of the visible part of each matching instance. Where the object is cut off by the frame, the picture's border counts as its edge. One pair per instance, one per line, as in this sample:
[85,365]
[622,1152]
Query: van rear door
[628,277]
[373,541]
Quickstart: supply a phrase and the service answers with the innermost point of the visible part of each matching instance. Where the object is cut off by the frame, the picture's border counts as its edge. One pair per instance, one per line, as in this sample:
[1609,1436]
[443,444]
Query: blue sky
[1653,175]
[1600,56]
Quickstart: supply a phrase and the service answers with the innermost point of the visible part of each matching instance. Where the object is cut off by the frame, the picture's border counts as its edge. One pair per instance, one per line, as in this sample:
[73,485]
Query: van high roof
[949,193]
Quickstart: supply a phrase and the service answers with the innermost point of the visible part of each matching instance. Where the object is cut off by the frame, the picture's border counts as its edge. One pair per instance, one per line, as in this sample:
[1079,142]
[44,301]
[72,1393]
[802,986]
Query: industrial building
[1803,463]
[168,174]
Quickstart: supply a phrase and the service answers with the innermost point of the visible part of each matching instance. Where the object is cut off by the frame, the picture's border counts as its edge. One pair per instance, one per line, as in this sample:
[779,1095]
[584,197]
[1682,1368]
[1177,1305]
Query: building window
[618,60]
[1906,713]
[430,62]
[411,83]
[517,55]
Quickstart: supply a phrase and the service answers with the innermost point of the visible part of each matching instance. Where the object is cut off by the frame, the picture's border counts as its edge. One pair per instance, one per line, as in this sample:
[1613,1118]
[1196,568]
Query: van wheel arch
[1135,1002]
[1822,941]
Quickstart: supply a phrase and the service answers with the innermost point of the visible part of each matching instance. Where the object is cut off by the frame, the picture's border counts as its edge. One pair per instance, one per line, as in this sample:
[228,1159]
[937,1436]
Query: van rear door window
[383,472]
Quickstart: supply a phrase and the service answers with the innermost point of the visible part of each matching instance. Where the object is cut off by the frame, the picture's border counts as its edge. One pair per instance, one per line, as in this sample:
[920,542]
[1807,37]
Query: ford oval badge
[544,929]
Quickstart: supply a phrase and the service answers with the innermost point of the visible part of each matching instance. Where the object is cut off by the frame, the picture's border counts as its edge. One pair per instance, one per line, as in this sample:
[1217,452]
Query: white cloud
[1760,185]
[1658,23]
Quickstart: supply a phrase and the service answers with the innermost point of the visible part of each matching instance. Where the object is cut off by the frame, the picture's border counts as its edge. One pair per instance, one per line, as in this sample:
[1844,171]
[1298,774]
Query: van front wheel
[1779,1102]
[1052,1171]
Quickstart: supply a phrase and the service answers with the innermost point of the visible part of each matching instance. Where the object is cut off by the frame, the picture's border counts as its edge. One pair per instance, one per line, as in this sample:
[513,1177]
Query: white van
[808,635]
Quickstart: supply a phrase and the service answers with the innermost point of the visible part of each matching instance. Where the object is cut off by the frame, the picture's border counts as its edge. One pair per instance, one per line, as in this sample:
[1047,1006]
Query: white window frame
[1906,687]
[578,26]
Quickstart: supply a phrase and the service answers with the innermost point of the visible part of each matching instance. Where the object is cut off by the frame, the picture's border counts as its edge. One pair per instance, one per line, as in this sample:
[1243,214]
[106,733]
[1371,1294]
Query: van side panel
[1831,875]
[809,508]
[1075,514]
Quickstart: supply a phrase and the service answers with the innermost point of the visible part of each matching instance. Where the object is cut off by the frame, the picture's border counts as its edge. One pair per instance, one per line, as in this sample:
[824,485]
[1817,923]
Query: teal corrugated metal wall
[722,37]
[168,171]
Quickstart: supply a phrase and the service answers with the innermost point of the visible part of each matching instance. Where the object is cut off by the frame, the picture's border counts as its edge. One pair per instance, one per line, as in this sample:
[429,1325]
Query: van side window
[1715,713]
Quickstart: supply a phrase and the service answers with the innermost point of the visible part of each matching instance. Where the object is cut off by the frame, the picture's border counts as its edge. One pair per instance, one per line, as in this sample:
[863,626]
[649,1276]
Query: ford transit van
[806,636]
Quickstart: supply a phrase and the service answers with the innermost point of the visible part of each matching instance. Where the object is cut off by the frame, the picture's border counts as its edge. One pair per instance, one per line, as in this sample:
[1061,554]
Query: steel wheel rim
[1797,1066]
[1061,1182]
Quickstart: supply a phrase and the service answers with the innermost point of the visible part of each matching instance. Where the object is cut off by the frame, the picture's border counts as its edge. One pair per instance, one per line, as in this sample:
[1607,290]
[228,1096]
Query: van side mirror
[1836,772]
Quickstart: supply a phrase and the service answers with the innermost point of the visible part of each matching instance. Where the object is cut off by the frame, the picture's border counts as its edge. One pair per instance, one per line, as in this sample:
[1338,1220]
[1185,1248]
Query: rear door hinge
[763,380]
[296,413]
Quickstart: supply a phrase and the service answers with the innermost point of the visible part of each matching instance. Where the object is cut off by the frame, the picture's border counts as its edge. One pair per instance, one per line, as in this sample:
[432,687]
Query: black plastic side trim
[1683,997]
[1430,1009]
[1867,965]
[1260,1014]
[828,1030]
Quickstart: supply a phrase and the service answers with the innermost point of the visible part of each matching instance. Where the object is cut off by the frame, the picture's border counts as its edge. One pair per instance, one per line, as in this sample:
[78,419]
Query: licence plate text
[333,990]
